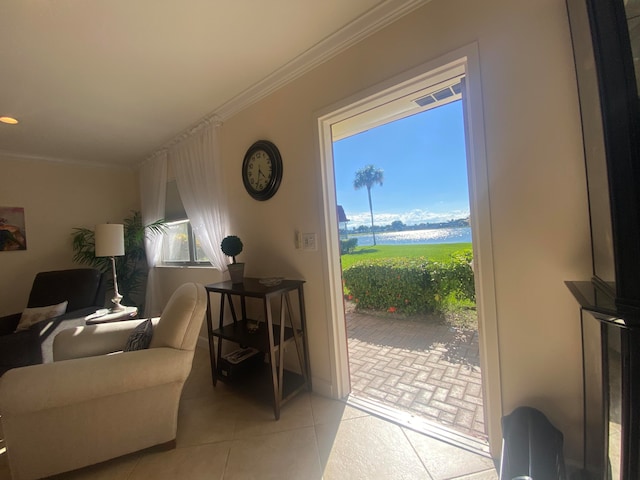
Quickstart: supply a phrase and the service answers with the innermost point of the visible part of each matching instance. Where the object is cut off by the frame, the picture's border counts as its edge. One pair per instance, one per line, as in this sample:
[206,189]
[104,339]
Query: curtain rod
[213,119]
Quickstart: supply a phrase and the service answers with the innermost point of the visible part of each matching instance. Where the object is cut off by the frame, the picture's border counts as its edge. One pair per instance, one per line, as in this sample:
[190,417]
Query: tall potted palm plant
[131,267]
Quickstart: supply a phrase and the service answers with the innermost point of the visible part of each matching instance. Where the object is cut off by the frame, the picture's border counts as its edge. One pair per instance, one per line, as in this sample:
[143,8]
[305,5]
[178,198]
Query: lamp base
[117,298]
[117,308]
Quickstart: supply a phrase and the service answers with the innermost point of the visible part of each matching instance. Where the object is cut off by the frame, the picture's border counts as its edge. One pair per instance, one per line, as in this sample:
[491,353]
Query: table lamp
[109,239]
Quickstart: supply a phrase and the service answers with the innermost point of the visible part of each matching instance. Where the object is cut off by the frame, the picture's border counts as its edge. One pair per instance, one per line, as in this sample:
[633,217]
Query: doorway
[416,84]
[410,362]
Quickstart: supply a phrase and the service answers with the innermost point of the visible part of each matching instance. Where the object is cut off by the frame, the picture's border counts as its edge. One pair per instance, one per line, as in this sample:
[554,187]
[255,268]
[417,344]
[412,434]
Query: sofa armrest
[9,323]
[69,382]
[92,340]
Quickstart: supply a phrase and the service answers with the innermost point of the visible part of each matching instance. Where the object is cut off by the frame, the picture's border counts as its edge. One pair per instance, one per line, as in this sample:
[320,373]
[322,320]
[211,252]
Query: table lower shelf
[257,383]
[240,334]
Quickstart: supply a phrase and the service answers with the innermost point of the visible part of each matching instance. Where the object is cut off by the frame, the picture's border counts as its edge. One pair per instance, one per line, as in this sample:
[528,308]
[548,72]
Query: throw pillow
[140,338]
[34,315]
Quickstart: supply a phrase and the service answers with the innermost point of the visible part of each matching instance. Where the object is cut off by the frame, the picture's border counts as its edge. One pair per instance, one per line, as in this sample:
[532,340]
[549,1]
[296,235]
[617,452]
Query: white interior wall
[171,278]
[57,197]
[536,175]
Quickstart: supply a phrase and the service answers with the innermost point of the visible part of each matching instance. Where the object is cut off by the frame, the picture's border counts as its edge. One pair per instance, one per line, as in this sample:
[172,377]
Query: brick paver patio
[424,368]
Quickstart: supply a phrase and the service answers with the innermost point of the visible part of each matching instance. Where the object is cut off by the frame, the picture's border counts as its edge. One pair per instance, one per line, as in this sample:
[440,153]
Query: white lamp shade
[109,239]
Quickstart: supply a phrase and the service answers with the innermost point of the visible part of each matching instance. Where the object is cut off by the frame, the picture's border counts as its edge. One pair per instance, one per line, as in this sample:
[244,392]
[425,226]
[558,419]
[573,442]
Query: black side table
[267,336]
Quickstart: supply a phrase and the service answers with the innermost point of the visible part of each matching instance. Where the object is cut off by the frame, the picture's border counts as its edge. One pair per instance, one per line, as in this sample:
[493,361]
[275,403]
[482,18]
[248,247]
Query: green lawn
[435,252]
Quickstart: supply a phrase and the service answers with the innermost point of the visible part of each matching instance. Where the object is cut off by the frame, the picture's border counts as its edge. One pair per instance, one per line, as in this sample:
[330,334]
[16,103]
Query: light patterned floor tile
[444,461]
[289,455]
[204,462]
[366,448]
[326,410]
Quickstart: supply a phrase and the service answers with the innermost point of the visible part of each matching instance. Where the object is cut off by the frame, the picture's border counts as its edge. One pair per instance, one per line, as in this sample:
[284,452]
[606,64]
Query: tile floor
[224,436]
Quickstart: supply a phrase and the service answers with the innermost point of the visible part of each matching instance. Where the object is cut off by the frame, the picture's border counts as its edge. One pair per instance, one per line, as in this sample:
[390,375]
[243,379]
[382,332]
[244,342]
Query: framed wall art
[12,231]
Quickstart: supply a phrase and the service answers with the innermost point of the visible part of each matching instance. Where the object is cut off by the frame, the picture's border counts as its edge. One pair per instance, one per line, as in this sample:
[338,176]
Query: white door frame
[462,61]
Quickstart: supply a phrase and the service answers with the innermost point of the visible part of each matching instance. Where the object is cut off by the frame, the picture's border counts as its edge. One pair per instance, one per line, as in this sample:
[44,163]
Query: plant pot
[236,272]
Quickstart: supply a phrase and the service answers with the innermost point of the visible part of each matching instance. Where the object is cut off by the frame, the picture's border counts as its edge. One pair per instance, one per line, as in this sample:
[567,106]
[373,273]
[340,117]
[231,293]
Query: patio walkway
[423,368]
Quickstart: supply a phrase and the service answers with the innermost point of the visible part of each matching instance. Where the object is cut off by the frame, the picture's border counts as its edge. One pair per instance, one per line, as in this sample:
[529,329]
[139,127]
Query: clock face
[262,170]
[259,170]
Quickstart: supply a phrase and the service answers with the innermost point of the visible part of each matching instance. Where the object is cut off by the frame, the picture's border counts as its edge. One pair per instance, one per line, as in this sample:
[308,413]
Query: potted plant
[232,246]
[132,267]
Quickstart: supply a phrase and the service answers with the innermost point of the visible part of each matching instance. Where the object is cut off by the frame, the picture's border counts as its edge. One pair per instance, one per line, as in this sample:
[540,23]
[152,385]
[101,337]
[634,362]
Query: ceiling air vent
[444,93]
[440,95]
[424,101]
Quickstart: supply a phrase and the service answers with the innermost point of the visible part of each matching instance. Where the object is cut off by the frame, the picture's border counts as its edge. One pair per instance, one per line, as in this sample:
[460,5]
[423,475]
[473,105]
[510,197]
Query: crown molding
[66,161]
[360,28]
[372,21]
[367,24]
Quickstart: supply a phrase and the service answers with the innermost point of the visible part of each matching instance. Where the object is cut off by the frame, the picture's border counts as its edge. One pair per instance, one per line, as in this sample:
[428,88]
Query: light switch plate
[309,241]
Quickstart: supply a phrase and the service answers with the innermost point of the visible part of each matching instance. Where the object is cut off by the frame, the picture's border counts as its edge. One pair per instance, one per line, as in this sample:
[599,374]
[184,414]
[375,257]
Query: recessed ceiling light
[8,120]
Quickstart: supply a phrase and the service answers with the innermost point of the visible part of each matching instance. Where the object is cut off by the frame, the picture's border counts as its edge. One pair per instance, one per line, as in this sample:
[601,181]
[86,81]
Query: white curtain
[195,161]
[153,188]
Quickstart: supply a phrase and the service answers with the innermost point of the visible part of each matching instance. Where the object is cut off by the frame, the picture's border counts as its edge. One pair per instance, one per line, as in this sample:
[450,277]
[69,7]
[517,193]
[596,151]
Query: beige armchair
[87,407]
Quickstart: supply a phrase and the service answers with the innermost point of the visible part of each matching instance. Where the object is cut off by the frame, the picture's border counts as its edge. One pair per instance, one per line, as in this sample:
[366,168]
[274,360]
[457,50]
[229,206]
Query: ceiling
[110,82]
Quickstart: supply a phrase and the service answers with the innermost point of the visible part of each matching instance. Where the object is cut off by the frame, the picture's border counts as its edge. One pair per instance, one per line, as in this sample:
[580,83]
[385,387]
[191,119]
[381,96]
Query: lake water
[436,235]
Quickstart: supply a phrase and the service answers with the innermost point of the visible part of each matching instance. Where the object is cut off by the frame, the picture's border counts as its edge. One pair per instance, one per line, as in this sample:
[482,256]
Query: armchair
[83,288]
[87,407]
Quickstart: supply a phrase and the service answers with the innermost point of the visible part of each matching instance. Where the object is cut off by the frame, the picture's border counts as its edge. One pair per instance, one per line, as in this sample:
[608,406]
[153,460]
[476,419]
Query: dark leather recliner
[83,288]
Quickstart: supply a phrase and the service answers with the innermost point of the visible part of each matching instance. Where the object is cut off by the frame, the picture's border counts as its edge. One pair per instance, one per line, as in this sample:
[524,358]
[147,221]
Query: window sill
[186,265]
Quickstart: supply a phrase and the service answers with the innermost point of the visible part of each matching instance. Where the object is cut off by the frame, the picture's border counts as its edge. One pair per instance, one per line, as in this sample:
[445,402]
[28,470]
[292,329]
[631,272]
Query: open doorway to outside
[397,107]
[406,257]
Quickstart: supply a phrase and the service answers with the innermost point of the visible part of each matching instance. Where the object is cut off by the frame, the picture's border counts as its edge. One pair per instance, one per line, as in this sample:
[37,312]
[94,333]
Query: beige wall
[170,278]
[536,175]
[537,185]
[56,197]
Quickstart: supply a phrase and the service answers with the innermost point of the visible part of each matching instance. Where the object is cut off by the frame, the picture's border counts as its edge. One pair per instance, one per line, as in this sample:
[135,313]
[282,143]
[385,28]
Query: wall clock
[262,170]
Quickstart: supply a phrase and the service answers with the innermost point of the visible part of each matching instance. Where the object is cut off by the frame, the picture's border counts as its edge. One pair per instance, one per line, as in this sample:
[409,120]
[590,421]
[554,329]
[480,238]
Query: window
[179,245]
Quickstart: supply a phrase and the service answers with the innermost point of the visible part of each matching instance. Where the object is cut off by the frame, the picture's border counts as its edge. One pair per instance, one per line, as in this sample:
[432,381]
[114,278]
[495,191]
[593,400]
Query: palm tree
[368,177]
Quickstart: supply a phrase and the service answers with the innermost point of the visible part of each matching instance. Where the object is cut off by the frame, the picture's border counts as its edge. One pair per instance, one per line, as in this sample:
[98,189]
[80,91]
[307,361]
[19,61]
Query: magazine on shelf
[240,355]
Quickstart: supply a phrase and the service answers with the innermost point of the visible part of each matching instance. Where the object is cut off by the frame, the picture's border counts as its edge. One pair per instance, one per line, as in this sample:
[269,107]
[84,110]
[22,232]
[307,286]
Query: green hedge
[347,246]
[410,285]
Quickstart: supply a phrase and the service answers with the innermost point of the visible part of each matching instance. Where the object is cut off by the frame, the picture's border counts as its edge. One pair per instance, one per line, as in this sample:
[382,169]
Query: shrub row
[347,246]
[410,285]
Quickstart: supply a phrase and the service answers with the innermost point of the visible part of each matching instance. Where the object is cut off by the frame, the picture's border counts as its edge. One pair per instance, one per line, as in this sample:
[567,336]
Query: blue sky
[425,172]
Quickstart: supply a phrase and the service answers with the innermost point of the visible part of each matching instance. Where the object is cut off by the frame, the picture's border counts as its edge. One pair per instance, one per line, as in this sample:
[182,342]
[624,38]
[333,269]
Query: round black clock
[262,170]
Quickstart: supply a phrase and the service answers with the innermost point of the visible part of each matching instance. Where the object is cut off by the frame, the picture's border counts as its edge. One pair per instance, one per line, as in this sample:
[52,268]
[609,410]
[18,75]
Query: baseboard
[203,343]
[574,469]
[322,387]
